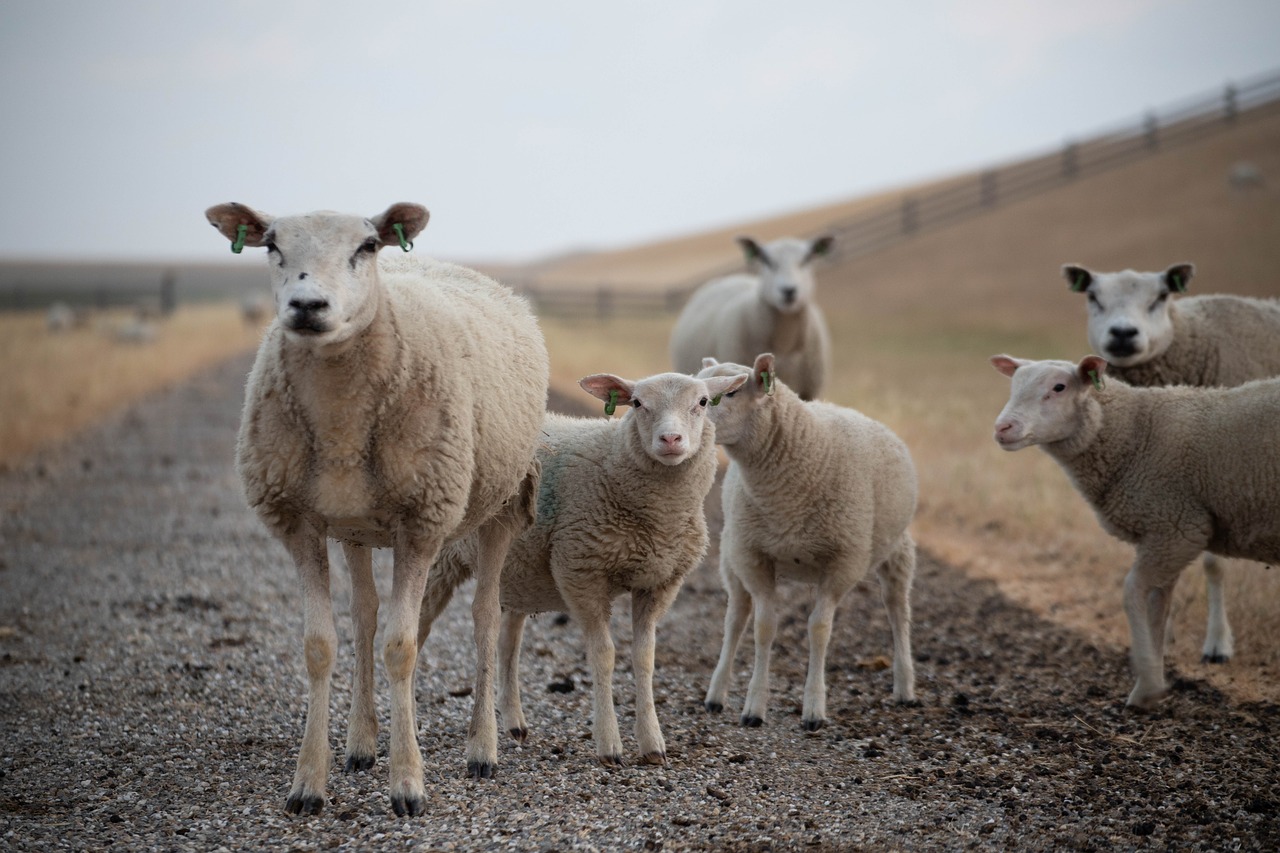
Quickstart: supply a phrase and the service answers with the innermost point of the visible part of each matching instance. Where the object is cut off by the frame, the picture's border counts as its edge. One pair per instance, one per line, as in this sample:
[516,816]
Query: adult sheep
[394,402]
[816,493]
[1173,470]
[1150,338]
[769,308]
[620,510]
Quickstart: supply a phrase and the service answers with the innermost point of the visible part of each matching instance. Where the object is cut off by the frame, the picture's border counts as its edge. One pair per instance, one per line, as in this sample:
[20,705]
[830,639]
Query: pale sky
[534,128]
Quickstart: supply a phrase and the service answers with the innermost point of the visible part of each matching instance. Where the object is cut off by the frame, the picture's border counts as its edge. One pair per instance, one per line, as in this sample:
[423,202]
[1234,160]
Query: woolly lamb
[395,402]
[815,493]
[620,510]
[1150,339]
[770,308]
[1175,471]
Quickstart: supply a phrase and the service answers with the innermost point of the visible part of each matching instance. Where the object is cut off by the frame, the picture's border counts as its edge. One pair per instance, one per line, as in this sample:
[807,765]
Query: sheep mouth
[1122,349]
[308,327]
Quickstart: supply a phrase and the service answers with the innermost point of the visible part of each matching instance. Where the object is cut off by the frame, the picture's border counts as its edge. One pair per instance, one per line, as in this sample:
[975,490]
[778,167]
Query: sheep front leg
[494,540]
[765,616]
[600,657]
[413,558]
[1147,590]
[647,607]
[1219,643]
[735,622]
[509,639]
[814,715]
[320,640]
[896,574]
[362,725]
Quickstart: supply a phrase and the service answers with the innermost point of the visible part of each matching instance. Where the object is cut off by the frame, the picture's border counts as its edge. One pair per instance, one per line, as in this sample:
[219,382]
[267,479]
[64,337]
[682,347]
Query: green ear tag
[404,244]
[768,382]
[237,245]
[1097,380]
[611,406]
[1177,283]
[715,401]
[1078,284]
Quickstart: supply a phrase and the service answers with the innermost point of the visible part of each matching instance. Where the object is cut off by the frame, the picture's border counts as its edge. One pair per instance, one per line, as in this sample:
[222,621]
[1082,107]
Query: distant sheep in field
[394,402]
[1150,338]
[620,510]
[816,493]
[135,330]
[254,310]
[1244,175]
[1175,471]
[61,317]
[770,308]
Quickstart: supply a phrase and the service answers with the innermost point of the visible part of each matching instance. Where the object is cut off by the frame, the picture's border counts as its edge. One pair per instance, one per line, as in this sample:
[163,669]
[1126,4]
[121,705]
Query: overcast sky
[532,128]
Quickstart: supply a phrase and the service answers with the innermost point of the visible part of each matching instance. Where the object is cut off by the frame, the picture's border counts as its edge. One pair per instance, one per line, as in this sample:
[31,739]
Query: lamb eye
[635,404]
[703,402]
[1093,300]
[1059,388]
[730,393]
[370,245]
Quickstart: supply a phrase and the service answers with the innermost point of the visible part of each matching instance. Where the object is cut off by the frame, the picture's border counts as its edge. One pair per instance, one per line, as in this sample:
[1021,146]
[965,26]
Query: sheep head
[785,269]
[1047,399]
[1129,321]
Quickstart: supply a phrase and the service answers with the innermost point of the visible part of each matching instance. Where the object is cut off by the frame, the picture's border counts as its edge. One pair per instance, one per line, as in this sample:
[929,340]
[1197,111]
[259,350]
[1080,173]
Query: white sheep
[1174,470]
[816,493]
[394,402]
[620,510]
[770,308]
[1150,338]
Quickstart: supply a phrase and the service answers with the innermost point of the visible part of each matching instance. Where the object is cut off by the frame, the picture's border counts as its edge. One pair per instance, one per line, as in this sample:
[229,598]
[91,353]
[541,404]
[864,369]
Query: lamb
[815,493]
[1173,470]
[394,402]
[771,308]
[1150,339]
[620,510]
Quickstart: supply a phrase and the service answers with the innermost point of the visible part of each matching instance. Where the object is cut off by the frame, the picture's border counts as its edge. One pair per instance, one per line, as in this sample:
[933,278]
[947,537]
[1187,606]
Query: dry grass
[55,384]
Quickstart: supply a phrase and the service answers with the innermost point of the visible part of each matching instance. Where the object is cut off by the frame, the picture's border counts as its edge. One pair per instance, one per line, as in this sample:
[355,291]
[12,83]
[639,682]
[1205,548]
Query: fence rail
[914,213]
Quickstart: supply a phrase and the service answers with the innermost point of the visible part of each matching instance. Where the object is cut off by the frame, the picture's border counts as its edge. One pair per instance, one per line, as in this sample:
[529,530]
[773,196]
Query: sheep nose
[788,295]
[672,439]
[1124,333]
[308,306]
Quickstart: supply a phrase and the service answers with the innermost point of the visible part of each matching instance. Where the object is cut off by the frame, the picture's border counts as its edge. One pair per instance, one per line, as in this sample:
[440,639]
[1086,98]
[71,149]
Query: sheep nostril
[1123,332]
[308,306]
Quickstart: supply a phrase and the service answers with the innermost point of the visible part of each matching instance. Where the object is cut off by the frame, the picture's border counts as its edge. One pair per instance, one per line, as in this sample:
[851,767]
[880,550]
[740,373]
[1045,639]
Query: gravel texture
[152,697]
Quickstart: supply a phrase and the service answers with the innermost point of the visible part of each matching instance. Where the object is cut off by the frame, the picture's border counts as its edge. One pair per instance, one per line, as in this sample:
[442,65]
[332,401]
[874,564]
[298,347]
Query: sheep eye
[730,393]
[370,245]
[1093,300]
[703,402]
[635,404]
[1160,300]
[1059,388]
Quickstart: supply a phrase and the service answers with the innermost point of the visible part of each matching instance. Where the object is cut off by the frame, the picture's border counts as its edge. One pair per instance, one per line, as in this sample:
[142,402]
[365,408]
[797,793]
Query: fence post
[988,188]
[604,302]
[1229,106]
[168,287]
[1070,162]
[1150,126]
[909,223]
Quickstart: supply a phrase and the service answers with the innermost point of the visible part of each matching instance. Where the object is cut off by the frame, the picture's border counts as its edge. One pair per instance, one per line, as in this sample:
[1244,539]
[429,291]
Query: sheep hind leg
[736,614]
[320,639]
[896,575]
[362,724]
[509,639]
[1219,643]
[647,607]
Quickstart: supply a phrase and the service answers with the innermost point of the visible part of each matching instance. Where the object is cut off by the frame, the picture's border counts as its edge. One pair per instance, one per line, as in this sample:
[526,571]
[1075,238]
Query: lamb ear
[754,252]
[613,390]
[718,385]
[763,373]
[1007,364]
[1078,277]
[708,361]
[412,218]
[1176,277]
[819,247]
[228,218]
[1091,369]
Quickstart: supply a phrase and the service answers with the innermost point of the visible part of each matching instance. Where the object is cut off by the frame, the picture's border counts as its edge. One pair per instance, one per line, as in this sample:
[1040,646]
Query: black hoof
[481,770]
[813,725]
[611,761]
[359,763]
[408,806]
[910,703]
[308,805]
[752,722]
[714,707]
[1215,658]
[518,735]
[657,759]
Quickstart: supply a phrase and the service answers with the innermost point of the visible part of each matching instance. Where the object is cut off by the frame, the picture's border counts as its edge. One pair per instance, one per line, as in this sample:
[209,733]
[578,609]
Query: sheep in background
[620,510]
[1176,471]
[1151,339]
[770,308]
[816,493]
[254,310]
[394,402]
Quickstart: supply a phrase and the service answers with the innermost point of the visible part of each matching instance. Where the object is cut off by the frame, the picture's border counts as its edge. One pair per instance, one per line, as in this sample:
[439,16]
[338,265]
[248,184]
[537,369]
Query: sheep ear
[1007,364]
[1078,277]
[612,390]
[763,374]
[411,218]
[819,247]
[228,219]
[708,361]
[1176,277]
[1091,369]
[718,385]
[754,252]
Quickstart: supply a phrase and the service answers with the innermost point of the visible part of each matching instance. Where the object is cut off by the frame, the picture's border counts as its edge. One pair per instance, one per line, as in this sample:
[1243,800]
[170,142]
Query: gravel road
[152,697]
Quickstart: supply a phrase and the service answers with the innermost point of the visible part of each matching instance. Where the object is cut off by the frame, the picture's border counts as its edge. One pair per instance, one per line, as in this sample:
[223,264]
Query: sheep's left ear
[708,361]
[1176,277]
[612,390]
[231,217]
[1007,364]
[763,374]
[1078,277]
[718,385]
[754,252]
[1091,369]
[411,218]
[819,247]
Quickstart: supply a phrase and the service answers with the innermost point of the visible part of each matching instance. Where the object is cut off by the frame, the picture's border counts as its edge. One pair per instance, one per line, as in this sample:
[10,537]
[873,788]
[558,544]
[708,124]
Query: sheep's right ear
[718,385]
[613,390]
[1176,277]
[411,218]
[1091,369]
[763,374]
[708,361]
[1078,277]
[1007,364]
[819,247]
[231,217]
[754,252]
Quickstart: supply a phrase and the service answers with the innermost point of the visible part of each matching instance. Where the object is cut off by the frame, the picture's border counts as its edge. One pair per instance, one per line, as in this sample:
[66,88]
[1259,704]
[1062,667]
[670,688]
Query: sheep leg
[494,540]
[1219,643]
[647,607]
[600,658]
[320,640]
[765,617]
[896,574]
[735,624]
[509,639]
[362,725]
[814,715]
[413,558]
[1147,596]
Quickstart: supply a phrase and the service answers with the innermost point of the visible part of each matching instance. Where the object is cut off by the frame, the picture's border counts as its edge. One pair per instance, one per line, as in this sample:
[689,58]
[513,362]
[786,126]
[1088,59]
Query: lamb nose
[672,439]
[788,294]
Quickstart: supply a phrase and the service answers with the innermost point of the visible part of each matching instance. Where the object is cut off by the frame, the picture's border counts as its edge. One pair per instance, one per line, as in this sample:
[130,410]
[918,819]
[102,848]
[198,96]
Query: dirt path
[151,697]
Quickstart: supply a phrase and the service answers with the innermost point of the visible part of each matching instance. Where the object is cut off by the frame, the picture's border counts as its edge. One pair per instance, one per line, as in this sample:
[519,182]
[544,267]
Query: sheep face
[323,265]
[785,270]
[739,409]
[1047,399]
[667,411]
[1129,321]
